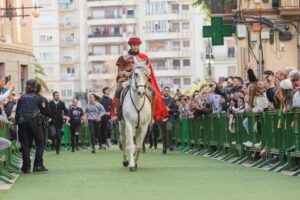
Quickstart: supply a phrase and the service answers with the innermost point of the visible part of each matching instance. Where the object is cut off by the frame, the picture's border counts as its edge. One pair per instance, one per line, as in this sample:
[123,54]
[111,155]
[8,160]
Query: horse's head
[141,74]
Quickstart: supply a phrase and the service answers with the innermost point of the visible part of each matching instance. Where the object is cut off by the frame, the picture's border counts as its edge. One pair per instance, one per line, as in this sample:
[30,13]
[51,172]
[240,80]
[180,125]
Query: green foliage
[39,72]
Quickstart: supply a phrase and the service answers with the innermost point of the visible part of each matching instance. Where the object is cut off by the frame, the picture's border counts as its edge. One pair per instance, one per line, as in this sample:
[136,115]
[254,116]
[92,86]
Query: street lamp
[209,59]
[11,12]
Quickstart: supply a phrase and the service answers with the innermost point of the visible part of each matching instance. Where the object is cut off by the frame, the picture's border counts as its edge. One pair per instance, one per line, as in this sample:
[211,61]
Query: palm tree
[38,74]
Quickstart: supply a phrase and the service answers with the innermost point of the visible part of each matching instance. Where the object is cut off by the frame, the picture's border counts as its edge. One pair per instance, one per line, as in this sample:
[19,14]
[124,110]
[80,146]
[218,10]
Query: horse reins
[138,110]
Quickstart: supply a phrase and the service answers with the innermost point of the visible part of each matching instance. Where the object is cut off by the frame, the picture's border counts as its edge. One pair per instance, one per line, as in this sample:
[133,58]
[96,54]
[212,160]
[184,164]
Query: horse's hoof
[132,169]
[125,163]
[136,166]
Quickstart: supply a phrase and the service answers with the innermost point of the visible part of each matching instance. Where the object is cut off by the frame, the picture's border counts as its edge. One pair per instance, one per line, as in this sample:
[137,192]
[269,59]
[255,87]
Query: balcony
[170,34]
[69,77]
[68,61]
[96,21]
[168,52]
[92,76]
[168,70]
[68,43]
[96,57]
[103,3]
[97,38]
[67,7]
[289,7]
[68,25]
[169,16]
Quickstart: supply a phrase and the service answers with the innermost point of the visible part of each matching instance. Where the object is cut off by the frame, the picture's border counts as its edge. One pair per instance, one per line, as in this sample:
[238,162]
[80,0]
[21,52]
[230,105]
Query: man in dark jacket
[167,123]
[105,124]
[58,116]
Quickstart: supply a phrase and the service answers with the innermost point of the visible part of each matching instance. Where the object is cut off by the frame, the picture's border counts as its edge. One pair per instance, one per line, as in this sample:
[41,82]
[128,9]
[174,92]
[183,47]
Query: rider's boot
[118,108]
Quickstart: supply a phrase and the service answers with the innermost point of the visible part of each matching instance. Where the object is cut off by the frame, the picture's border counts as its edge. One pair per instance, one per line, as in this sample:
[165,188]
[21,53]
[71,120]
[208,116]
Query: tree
[38,75]
[206,4]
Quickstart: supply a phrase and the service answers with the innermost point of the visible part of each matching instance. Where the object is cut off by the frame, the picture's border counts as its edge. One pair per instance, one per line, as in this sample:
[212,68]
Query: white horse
[136,109]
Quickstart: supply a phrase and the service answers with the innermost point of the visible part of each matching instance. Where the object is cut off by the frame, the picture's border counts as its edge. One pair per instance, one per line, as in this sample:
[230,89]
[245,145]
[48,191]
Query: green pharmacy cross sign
[217,31]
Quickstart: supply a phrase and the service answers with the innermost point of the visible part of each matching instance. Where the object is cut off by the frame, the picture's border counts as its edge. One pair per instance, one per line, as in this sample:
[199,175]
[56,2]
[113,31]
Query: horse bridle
[144,95]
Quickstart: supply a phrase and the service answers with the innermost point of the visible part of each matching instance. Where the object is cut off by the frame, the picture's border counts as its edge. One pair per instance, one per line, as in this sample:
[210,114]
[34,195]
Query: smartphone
[7,79]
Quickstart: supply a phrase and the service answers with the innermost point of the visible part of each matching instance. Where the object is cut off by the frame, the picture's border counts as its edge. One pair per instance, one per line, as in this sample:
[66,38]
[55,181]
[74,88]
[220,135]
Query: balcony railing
[68,77]
[290,3]
[66,6]
[103,54]
[68,42]
[170,67]
[105,17]
[66,61]
[175,48]
[67,25]
[97,35]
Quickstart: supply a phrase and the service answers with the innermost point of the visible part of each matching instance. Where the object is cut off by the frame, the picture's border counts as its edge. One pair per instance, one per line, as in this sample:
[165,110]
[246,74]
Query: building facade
[57,45]
[16,53]
[273,41]
[109,25]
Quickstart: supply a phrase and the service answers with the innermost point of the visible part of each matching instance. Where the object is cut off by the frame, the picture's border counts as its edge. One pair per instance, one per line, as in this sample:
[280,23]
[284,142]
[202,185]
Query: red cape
[161,111]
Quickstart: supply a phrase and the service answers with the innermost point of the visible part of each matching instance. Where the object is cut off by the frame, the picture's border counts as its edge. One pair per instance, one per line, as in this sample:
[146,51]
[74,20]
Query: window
[176,81]
[176,64]
[231,52]
[156,26]
[64,93]
[174,27]
[185,7]
[46,38]
[70,93]
[130,13]
[70,71]
[187,81]
[98,14]
[176,46]
[114,49]
[175,8]
[154,8]
[46,56]
[98,50]
[186,44]
[69,20]
[186,62]
[185,25]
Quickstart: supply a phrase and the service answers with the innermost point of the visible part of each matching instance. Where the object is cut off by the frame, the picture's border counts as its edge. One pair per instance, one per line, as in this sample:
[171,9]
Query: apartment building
[171,31]
[56,42]
[109,25]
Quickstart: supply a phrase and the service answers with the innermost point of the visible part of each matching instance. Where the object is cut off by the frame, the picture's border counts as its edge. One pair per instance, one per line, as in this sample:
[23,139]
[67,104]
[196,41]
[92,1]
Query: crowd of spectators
[235,95]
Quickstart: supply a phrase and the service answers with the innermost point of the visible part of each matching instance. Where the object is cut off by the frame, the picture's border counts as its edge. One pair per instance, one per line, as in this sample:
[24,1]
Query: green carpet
[87,176]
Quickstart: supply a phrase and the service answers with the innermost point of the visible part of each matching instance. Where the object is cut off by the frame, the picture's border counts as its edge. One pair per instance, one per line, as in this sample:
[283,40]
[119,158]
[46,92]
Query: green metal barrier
[9,159]
[271,132]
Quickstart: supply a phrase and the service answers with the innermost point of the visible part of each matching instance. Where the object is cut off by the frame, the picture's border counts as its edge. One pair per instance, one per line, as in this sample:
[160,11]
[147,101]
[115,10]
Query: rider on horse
[125,66]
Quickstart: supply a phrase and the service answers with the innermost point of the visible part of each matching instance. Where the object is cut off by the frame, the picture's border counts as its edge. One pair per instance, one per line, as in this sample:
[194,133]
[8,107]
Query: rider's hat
[134,40]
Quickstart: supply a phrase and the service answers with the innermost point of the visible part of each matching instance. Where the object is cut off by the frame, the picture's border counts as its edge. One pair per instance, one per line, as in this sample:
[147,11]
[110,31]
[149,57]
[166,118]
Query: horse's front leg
[140,136]
[129,130]
[122,143]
